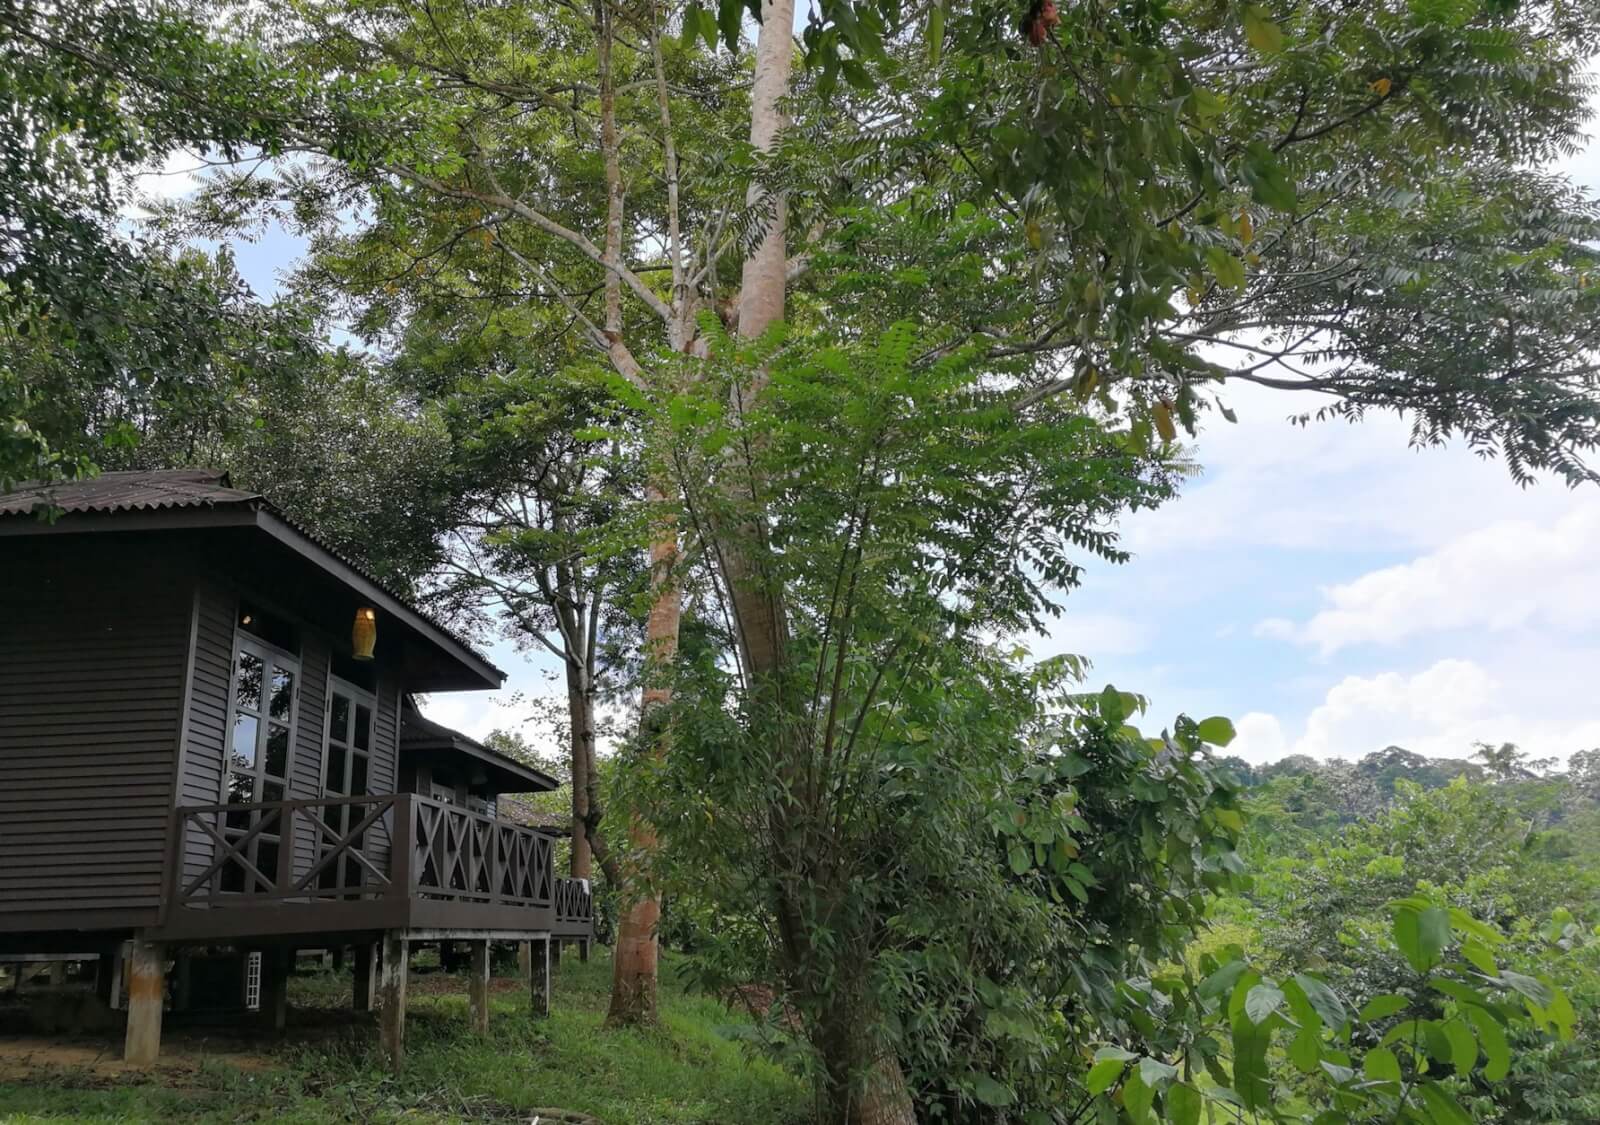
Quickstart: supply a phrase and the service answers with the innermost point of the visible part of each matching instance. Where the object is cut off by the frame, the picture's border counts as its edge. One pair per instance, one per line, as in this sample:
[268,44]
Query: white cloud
[1513,574]
[1440,712]
[1258,738]
[1330,486]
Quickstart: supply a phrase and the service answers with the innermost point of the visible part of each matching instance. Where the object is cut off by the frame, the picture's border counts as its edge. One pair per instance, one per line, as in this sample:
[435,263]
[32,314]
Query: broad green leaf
[1262,1001]
[1183,1103]
[1535,990]
[1217,730]
[1382,1007]
[1441,1105]
[1381,1065]
[1480,957]
[1155,1074]
[935,31]
[1103,1075]
[1267,178]
[1264,35]
[1305,1050]
[1463,1047]
[1227,269]
[1020,858]
[1495,1047]
[991,1092]
[1421,935]
[1323,999]
[1221,982]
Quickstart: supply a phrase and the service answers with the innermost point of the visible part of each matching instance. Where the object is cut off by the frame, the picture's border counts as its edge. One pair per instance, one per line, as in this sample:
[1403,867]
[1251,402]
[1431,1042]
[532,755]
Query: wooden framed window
[261,721]
[346,771]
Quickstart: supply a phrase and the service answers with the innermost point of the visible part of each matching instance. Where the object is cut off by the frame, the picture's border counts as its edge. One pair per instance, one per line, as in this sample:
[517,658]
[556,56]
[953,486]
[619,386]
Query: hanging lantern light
[364,633]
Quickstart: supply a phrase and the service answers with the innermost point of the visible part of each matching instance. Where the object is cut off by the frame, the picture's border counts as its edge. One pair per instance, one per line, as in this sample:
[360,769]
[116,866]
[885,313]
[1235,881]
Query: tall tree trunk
[633,978]
[866,1085]
[580,719]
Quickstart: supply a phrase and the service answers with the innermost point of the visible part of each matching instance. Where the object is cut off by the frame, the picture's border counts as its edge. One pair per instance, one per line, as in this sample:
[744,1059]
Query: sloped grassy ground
[692,1070]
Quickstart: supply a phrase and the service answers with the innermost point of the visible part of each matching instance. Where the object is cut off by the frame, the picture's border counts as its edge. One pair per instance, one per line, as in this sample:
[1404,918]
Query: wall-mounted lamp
[364,633]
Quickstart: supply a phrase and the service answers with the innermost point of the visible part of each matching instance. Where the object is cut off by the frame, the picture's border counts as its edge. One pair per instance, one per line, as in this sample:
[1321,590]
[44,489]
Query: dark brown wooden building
[195,749]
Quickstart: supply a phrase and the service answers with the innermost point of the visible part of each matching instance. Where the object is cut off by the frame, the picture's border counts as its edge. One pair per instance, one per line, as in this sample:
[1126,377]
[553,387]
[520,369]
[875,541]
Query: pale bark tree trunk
[633,980]
[634,963]
[580,718]
[866,1085]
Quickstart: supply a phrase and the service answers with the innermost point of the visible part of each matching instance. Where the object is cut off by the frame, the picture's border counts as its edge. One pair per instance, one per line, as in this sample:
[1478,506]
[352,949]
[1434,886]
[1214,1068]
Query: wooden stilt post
[555,951]
[58,973]
[275,967]
[147,992]
[338,958]
[478,988]
[392,997]
[366,976]
[583,950]
[539,979]
[525,959]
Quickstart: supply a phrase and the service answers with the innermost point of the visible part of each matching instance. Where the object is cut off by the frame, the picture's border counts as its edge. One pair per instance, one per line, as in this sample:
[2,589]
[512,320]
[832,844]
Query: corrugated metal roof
[519,808]
[129,491]
[418,732]
[136,490]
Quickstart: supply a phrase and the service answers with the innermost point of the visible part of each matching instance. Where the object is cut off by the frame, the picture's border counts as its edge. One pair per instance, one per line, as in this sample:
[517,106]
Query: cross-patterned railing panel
[574,900]
[343,848]
[465,855]
[253,852]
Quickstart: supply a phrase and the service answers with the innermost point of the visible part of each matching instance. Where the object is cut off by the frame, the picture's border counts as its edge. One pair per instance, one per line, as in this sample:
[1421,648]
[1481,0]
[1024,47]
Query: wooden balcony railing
[355,848]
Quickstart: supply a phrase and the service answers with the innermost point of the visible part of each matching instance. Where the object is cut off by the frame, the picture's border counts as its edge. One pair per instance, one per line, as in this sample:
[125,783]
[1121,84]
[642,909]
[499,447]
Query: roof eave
[286,533]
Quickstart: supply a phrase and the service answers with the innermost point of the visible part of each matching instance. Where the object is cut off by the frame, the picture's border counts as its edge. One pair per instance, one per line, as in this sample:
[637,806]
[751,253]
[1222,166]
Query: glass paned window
[358,774]
[260,751]
[363,731]
[277,764]
[282,693]
[244,741]
[248,692]
[334,779]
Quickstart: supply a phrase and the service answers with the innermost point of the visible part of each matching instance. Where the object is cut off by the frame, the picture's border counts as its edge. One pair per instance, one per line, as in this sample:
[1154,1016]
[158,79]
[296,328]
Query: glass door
[261,745]
[346,768]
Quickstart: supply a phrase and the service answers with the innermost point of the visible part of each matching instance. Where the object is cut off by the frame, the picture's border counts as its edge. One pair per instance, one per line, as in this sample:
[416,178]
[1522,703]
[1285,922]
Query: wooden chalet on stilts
[207,739]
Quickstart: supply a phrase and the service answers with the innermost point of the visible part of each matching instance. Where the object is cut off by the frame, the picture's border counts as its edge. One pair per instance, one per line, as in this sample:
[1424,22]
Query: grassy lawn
[692,1069]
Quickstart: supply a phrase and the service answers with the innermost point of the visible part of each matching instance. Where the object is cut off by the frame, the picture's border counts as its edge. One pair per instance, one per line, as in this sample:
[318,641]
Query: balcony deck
[389,862]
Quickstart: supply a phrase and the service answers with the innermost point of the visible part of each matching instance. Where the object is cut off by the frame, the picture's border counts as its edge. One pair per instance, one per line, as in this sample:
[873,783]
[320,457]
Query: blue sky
[1329,588]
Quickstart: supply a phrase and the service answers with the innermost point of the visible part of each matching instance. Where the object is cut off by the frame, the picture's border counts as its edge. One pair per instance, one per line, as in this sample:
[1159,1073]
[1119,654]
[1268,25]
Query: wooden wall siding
[206,732]
[305,781]
[385,751]
[92,656]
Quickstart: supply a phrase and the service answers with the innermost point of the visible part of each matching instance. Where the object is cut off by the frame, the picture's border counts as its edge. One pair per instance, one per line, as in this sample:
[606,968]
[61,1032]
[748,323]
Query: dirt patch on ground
[97,1057]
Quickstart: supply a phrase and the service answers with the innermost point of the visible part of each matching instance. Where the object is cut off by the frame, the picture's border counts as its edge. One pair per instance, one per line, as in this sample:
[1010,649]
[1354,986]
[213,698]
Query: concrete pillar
[478,988]
[366,976]
[583,950]
[539,979]
[147,992]
[392,998]
[276,965]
